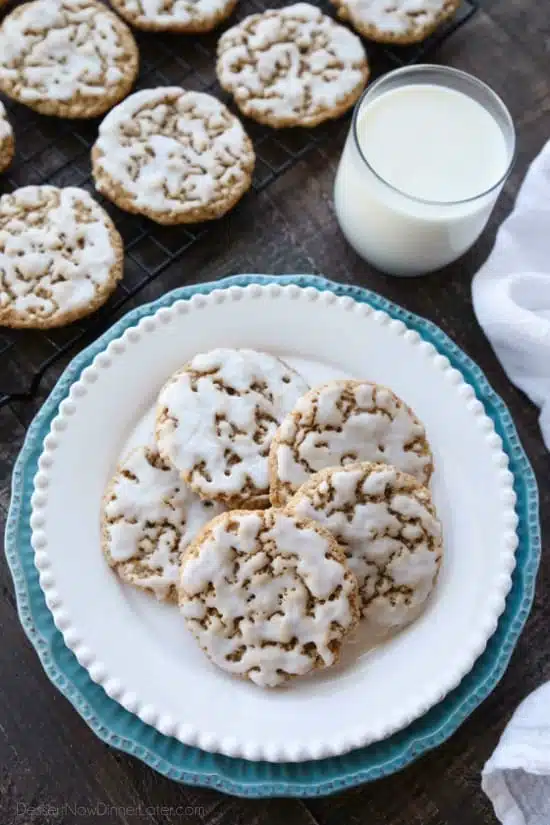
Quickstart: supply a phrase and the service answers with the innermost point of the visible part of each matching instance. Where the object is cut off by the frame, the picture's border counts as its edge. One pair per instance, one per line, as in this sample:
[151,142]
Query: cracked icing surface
[7,145]
[216,418]
[344,422]
[71,58]
[60,256]
[175,15]
[267,596]
[173,155]
[397,21]
[292,67]
[150,516]
[387,525]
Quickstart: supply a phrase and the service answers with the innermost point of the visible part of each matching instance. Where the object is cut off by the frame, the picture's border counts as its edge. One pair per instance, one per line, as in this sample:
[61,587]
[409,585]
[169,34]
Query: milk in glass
[423,164]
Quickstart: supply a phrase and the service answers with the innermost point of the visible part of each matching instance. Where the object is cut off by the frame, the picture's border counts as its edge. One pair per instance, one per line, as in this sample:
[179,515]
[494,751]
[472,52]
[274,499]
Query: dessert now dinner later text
[102,809]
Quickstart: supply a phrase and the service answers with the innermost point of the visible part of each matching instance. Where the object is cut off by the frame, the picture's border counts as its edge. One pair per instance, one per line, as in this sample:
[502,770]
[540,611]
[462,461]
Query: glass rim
[443,70]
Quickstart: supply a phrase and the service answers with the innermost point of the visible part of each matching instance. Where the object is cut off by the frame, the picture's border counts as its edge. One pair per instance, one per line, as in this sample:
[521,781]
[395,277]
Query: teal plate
[125,731]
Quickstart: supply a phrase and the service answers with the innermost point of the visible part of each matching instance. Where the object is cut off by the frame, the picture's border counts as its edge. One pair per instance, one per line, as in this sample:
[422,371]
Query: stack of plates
[126,662]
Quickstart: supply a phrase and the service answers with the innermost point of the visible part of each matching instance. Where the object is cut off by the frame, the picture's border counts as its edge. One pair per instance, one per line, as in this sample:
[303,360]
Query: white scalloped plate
[141,652]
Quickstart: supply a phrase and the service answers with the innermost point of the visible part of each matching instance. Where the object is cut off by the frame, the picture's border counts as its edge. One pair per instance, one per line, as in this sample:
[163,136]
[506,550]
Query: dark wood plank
[48,756]
[527,24]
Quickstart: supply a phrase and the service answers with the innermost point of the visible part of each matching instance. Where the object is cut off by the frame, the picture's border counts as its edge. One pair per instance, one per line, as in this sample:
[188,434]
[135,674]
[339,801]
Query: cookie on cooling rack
[396,21]
[268,596]
[216,418]
[70,58]
[386,523]
[184,16]
[149,517]
[292,66]
[7,142]
[344,422]
[60,256]
[172,155]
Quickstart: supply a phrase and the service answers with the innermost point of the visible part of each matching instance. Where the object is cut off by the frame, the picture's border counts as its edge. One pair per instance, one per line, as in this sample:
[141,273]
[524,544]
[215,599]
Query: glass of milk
[426,156]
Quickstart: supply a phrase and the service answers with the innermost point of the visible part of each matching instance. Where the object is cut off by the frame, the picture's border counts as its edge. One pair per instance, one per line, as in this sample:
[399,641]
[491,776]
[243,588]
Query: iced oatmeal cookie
[216,418]
[185,16]
[7,143]
[292,66]
[70,58]
[149,518]
[396,21]
[345,422]
[60,256]
[268,596]
[172,155]
[386,523]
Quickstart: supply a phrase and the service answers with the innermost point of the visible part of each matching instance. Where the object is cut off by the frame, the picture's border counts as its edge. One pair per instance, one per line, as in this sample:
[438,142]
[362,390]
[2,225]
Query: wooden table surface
[48,756]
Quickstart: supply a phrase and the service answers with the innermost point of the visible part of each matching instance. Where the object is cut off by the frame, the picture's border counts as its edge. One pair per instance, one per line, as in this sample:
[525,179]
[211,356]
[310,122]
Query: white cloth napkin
[511,292]
[511,296]
[517,776]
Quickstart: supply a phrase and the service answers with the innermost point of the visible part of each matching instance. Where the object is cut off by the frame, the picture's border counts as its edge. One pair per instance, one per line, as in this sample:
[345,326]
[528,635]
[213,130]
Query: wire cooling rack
[57,152]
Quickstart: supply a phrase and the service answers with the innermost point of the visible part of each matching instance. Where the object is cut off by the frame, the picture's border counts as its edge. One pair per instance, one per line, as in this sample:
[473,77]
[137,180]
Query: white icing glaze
[222,411]
[57,50]
[5,126]
[398,17]
[150,517]
[290,63]
[165,12]
[53,260]
[392,540]
[377,427]
[246,593]
[172,150]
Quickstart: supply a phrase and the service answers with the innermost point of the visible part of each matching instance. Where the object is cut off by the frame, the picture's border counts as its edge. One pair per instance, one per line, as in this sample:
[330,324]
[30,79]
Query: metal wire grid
[57,152]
